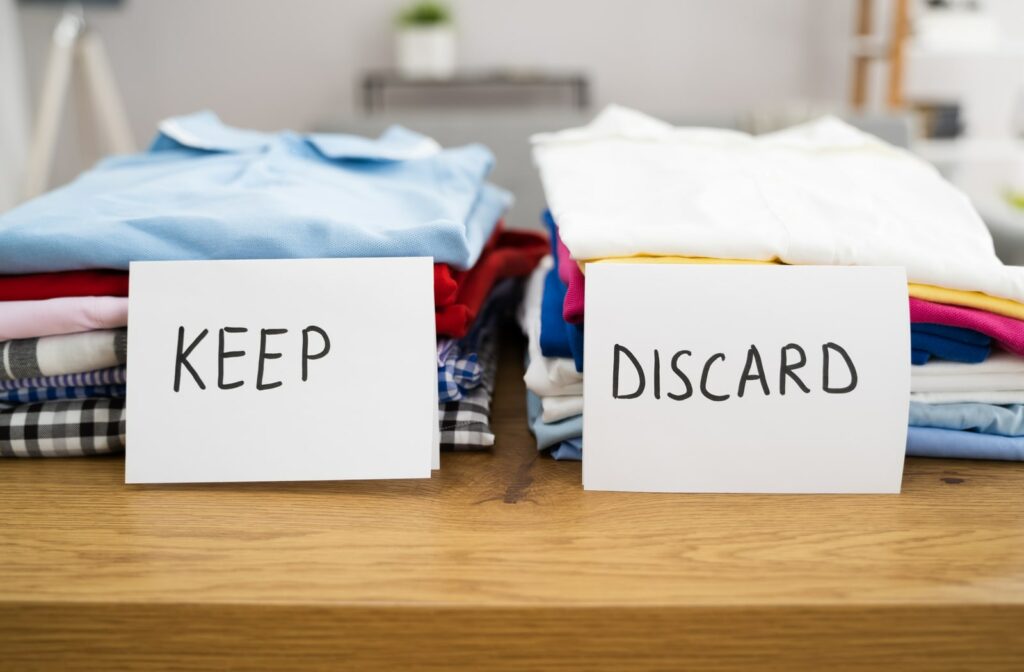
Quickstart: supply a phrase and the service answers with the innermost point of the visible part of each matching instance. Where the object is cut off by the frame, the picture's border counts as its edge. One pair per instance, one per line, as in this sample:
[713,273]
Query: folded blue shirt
[554,338]
[208,191]
[27,395]
[951,343]
[934,442]
[960,334]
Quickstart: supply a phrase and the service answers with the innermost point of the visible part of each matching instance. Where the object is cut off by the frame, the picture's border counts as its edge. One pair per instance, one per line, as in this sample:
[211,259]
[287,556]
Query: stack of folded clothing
[208,191]
[468,327]
[554,370]
[971,406]
[631,188]
[62,348]
[553,382]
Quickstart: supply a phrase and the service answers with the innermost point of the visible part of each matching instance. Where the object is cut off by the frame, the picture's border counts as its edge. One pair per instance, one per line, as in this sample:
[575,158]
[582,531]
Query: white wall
[13,109]
[274,63]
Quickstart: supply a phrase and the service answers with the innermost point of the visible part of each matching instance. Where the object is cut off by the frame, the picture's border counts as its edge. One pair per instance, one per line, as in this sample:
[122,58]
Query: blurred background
[941,77]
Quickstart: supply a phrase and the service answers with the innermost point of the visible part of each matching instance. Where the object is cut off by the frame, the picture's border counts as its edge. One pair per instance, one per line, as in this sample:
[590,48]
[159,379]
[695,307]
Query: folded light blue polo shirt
[208,191]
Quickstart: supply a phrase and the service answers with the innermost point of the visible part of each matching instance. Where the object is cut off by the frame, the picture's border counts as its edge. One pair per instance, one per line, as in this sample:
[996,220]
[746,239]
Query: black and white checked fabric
[457,371]
[466,423]
[63,428]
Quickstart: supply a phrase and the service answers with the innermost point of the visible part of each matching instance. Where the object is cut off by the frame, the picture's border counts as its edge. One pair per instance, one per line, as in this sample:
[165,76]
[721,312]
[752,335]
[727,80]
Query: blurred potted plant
[426,41]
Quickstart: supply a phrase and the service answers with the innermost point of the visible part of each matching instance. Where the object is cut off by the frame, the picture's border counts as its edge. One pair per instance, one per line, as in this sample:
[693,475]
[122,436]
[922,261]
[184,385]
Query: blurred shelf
[377,83]
[503,562]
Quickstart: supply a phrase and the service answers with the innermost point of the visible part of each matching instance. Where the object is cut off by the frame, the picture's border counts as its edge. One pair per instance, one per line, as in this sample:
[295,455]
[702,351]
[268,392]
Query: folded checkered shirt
[466,423]
[78,427]
[458,371]
[25,395]
[63,428]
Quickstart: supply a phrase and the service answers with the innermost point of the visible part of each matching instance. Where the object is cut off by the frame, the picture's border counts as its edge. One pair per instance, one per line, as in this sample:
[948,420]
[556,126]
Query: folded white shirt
[1002,371]
[545,376]
[821,193]
[554,409]
[998,398]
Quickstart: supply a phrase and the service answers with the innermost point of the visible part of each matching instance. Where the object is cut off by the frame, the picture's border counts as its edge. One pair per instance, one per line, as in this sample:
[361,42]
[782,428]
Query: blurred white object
[426,52]
[990,173]
[959,54]
[769,118]
[13,108]
[987,84]
[74,47]
[956,28]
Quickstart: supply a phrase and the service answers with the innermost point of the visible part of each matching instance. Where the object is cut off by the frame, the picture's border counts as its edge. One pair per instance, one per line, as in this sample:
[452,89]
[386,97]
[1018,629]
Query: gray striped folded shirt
[64,354]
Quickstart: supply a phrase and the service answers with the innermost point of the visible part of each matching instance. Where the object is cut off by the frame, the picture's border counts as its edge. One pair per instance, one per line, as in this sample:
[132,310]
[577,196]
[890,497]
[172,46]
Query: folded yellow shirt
[678,260]
[960,297]
[955,297]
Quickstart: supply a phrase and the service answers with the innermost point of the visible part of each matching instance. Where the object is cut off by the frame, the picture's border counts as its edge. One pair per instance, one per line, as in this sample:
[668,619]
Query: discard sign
[281,370]
[733,378]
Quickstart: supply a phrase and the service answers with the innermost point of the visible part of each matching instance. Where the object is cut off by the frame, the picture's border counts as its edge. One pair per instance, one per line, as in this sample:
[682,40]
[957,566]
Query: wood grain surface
[503,562]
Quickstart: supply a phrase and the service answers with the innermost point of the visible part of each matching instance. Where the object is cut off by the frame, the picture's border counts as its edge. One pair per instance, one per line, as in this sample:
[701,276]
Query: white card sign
[281,370]
[742,378]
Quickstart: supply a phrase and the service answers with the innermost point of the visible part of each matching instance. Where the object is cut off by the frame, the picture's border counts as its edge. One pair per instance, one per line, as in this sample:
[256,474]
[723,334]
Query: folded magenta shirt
[208,191]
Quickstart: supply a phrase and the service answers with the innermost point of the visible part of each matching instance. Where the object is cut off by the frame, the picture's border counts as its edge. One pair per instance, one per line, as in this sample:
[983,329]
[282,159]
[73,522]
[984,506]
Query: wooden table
[502,561]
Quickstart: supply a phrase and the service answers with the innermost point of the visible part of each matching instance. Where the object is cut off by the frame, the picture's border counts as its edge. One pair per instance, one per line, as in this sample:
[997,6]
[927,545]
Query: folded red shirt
[68,283]
[40,286]
[507,254]
[458,295]
[444,286]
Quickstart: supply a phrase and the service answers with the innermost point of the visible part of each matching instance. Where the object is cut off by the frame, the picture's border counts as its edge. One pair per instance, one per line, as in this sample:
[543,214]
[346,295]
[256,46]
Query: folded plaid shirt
[458,371]
[26,395]
[63,428]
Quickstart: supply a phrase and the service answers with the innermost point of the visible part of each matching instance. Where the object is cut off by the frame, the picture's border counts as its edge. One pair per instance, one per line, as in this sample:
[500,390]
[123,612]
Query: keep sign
[281,370]
[744,378]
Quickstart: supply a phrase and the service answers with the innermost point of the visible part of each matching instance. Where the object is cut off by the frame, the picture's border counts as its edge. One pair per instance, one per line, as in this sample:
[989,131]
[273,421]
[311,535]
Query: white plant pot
[426,53]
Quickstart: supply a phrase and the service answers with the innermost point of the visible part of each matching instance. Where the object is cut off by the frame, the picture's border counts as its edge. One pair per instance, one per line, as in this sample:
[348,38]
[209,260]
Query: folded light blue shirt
[933,442]
[983,418]
[551,434]
[571,449]
[208,191]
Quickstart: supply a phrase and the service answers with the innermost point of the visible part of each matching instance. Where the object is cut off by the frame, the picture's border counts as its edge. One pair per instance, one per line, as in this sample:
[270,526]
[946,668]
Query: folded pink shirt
[66,315]
[1006,330]
[572,277]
